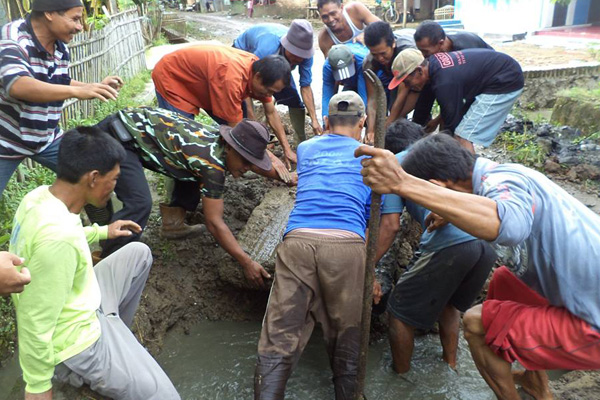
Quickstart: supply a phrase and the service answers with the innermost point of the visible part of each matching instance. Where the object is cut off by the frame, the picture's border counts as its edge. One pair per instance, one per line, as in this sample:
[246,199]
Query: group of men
[73,317]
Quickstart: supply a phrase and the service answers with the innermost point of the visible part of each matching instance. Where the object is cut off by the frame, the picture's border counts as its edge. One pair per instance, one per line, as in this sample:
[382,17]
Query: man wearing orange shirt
[218,79]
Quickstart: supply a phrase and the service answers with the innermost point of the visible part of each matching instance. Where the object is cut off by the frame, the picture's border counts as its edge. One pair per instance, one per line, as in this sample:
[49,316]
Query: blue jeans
[163,103]
[48,158]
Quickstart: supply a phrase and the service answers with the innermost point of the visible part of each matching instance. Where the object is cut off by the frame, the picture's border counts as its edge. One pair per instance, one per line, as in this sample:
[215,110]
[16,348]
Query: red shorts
[520,325]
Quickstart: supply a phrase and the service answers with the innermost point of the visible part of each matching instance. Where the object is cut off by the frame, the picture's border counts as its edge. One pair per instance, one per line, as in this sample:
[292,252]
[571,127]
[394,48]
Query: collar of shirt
[482,165]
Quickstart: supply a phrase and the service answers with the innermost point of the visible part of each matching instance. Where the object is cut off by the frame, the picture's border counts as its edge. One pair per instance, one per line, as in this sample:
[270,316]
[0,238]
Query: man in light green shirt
[73,319]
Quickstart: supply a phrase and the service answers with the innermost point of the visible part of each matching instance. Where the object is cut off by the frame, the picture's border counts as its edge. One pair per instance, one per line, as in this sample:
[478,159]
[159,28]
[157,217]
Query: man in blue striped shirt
[35,82]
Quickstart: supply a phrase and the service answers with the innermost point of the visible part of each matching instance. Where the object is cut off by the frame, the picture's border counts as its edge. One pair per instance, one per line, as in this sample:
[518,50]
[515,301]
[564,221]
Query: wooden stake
[371,242]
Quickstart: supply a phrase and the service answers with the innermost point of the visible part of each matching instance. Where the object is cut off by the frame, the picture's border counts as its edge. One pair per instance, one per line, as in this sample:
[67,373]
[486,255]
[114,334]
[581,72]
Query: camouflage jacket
[178,147]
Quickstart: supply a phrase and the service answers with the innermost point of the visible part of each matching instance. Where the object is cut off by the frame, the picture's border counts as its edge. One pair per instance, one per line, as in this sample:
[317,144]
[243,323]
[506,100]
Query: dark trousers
[132,190]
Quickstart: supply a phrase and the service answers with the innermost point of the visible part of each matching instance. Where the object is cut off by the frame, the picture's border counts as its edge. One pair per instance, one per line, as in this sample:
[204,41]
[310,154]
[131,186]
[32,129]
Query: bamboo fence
[116,49]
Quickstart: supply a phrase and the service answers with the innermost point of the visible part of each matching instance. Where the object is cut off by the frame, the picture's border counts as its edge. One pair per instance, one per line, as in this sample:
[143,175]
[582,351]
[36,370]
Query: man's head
[431,38]
[401,134]
[331,14]
[381,42]
[411,68]
[62,18]
[346,114]
[270,75]
[246,146]
[89,159]
[298,42]
[341,60]
[442,159]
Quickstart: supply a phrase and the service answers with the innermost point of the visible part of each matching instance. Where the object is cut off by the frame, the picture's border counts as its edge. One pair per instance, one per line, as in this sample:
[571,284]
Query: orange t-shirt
[212,77]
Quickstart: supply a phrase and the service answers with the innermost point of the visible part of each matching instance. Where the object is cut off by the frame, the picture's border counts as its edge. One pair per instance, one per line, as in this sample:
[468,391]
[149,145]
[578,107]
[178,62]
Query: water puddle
[216,362]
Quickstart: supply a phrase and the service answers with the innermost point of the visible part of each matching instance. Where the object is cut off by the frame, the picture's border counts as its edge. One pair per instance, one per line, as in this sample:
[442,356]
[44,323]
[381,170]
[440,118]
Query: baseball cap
[405,63]
[346,103]
[299,39]
[342,62]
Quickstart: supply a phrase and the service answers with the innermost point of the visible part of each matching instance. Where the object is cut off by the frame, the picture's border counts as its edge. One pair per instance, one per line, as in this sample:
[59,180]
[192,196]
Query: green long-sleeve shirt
[56,313]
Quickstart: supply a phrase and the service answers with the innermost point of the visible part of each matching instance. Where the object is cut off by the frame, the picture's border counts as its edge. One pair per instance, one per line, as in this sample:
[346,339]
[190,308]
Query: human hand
[255,274]
[316,127]
[123,228]
[434,221]
[381,172]
[289,157]
[114,82]
[294,180]
[283,173]
[99,91]
[359,39]
[369,138]
[432,125]
[377,292]
[11,280]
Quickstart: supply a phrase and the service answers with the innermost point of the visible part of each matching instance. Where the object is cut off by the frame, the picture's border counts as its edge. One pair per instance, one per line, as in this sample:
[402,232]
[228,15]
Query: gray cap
[299,39]
[346,103]
[341,60]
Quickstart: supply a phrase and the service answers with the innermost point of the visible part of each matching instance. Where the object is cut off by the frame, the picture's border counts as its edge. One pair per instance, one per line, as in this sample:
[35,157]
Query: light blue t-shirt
[264,40]
[558,236]
[331,193]
[441,238]
[355,83]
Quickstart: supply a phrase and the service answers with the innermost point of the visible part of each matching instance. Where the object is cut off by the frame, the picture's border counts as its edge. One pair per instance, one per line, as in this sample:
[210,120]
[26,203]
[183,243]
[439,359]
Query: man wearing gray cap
[320,266]
[35,82]
[296,45]
[343,66]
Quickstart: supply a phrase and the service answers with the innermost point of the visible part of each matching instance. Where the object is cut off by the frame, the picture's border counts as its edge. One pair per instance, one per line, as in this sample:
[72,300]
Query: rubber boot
[297,118]
[174,226]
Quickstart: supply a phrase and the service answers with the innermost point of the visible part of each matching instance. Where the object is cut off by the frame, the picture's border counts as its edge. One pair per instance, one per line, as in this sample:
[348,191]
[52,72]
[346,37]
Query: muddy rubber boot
[174,226]
[298,118]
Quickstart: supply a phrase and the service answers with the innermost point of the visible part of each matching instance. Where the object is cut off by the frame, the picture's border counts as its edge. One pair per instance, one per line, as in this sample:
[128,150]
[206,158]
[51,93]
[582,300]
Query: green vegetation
[522,148]
[38,175]
[582,94]
[594,137]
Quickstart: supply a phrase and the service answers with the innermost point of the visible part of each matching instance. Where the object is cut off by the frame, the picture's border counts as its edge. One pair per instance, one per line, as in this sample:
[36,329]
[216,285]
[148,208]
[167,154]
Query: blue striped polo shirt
[27,128]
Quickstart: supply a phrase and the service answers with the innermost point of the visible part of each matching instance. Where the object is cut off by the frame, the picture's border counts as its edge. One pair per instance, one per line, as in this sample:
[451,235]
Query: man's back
[466,40]
[214,78]
[559,256]
[330,193]
[261,40]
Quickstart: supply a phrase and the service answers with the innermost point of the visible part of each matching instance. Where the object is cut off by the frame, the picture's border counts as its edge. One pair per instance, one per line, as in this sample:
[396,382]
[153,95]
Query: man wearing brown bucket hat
[320,265]
[296,45]
[189,151]
[35,82]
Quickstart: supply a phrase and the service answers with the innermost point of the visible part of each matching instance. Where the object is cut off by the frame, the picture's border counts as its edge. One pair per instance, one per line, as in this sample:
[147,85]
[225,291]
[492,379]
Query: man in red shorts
[542,309]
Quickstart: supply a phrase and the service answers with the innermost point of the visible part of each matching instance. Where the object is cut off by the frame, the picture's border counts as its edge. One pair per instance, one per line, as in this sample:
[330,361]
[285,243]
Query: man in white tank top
[342,24]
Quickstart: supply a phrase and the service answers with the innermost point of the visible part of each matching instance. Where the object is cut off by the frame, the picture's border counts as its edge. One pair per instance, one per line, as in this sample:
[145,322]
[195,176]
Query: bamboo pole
[371,243]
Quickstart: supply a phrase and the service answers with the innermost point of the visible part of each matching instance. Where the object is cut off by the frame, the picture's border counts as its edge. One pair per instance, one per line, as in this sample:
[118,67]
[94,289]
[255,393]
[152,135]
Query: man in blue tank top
[320,265]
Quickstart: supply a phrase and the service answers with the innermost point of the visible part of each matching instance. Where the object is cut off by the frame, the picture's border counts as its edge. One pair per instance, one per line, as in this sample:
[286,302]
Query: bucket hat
[250,139]
[299,39]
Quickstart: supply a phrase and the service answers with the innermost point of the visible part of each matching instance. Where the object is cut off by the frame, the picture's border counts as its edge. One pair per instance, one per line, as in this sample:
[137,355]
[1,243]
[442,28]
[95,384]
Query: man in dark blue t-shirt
[320,266]
[475,88]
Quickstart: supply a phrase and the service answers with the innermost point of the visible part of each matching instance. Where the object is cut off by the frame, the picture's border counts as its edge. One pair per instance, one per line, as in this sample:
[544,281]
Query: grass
[594,138]
[582,94]
[38,175]
[522,148]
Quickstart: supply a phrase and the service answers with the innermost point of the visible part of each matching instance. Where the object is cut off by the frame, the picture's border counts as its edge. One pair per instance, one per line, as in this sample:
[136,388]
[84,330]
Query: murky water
[216,362]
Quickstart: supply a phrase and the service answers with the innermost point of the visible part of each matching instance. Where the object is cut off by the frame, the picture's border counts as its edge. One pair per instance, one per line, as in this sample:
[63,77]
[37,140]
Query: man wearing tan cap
[475,88]
[296,45]
[320,265]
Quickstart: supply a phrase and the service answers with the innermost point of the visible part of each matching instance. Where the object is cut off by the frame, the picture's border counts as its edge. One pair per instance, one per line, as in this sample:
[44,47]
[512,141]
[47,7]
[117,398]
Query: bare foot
[535,383]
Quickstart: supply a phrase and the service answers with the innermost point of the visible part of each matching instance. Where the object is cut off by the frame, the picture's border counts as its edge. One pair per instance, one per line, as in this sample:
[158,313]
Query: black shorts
[454,275]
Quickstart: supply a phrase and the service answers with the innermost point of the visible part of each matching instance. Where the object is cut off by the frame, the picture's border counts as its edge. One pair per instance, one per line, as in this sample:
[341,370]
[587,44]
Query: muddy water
[216,361]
